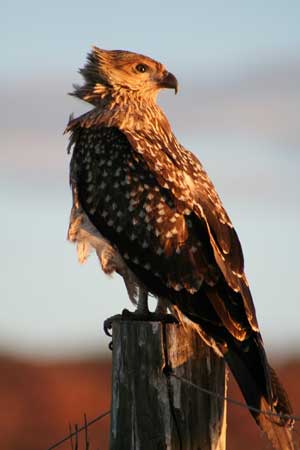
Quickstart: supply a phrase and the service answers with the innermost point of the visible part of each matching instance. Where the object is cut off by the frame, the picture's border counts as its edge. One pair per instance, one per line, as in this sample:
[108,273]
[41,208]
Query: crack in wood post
[151,410]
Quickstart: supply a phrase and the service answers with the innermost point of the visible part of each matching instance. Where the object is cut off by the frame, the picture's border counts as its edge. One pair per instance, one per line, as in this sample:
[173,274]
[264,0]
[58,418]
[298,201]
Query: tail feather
[281,401]
[263,391]
[278,432]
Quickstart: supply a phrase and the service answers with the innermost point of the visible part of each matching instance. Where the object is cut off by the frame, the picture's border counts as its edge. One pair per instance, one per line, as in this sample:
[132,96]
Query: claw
[107,324]
[106,327]
[148,316]
[136,316]
[165,318]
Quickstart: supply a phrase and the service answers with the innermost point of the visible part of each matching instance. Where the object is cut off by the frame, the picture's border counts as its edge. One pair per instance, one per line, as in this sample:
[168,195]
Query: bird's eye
[141,68]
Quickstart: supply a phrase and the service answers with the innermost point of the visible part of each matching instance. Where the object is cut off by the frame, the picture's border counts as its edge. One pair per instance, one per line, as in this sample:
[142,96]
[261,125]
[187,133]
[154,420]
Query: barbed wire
[231,400]
[195,386]
[78,430]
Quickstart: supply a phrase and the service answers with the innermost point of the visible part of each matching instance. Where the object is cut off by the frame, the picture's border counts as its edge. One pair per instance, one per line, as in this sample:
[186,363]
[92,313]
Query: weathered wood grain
[154,411]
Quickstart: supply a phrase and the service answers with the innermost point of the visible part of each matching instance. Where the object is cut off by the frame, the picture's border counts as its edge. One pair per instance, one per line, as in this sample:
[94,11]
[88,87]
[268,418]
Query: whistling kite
[148,208]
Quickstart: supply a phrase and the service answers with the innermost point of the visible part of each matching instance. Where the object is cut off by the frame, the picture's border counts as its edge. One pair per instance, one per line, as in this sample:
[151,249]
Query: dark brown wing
[128,206]
[179,171]
[163,241]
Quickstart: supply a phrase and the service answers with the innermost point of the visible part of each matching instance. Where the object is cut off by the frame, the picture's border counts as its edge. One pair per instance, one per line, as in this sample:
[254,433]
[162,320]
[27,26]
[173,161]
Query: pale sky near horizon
[240,117]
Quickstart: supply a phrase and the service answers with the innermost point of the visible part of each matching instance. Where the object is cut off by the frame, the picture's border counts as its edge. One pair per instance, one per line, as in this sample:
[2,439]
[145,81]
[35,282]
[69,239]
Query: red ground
[38,401]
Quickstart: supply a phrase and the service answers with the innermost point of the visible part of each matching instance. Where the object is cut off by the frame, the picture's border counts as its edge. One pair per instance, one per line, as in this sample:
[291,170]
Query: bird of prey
[148,208]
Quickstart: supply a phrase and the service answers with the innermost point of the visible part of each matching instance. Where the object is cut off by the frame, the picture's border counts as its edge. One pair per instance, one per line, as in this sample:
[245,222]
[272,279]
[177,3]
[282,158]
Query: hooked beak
[169,81]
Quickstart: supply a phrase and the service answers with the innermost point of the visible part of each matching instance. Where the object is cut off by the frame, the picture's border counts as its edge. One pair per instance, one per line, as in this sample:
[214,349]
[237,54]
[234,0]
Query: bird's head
[111,70]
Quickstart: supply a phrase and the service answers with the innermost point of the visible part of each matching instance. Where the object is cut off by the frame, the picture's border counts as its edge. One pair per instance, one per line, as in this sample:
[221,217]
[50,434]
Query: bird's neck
[133,110]
[130,111]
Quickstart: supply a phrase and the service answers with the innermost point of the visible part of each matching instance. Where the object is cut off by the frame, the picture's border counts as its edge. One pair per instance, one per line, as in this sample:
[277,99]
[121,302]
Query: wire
[84,427]
[234,402]
[170,373]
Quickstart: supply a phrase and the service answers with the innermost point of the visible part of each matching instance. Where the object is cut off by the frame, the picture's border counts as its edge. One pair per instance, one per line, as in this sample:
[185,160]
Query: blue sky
[44,37]
[238,66]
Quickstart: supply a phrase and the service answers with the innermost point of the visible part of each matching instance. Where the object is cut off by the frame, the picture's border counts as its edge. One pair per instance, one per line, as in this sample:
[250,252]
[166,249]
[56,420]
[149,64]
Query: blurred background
[238,66]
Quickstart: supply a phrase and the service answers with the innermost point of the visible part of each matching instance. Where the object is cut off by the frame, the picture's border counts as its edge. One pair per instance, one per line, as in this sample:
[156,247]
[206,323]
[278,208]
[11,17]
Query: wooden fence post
[152,410]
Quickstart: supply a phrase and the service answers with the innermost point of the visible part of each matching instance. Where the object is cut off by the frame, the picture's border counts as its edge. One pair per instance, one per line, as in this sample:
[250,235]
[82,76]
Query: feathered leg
[142,312]
[161,307]
[142,306]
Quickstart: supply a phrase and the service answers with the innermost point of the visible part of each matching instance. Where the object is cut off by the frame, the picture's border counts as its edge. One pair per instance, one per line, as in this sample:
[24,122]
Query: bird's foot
[140,316]
[148,316]
[107,324]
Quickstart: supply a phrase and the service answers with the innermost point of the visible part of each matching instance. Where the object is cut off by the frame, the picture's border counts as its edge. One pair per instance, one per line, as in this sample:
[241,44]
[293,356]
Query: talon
[137,316]
[107,324]
[110,345]
[148,316]
[127,315]
[166,318]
